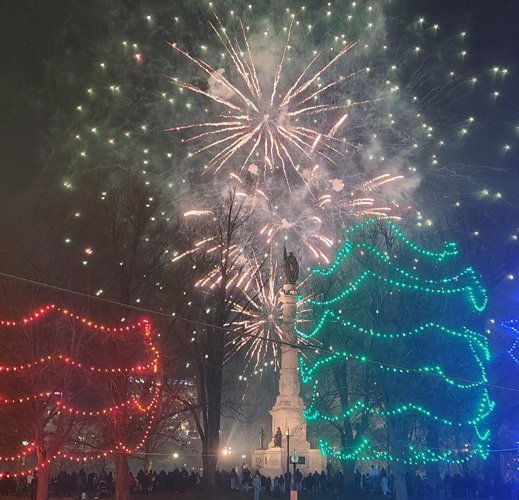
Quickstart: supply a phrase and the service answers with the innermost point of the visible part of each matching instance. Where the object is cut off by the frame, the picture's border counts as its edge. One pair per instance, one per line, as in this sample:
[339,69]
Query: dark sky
[29,30]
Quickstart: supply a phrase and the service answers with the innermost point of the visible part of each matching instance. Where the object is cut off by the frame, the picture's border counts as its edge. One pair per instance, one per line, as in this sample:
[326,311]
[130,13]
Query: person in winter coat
[256,485]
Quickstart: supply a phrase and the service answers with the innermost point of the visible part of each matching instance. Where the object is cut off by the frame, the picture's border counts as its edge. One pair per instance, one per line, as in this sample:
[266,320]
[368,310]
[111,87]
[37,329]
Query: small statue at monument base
[278,436]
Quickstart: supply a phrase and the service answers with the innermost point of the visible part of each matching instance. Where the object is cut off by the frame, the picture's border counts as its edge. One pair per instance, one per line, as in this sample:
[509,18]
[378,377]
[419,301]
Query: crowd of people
[151,481]
[374,481]
[456,486]
[101,484]
[242,478]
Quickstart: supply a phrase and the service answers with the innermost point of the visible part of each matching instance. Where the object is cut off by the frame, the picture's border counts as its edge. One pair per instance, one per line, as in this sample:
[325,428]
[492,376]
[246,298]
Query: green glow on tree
[399,324]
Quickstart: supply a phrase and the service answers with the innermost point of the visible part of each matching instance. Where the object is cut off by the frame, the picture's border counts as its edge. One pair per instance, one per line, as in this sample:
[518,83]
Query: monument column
[289,384]
[287,412]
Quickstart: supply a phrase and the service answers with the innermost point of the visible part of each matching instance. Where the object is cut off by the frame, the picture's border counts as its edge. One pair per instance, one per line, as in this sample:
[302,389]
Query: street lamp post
[288,451]
[295,461]
[293,489]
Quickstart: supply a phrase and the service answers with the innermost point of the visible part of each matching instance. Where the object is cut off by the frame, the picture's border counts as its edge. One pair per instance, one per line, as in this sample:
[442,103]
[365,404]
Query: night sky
[31,51]
[48,51]
[31,31]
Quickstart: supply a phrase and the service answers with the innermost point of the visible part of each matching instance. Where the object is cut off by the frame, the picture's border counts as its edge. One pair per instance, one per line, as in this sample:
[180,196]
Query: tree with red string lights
[115,248]
[35,377]
[128,428]
[61,387]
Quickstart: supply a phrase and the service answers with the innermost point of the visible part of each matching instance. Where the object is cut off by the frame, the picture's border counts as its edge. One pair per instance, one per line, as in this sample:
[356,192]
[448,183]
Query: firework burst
[306,222]
[260,317]
[272,123]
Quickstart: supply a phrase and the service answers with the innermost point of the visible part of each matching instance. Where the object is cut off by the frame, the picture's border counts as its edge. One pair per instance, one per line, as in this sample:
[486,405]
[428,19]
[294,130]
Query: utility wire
[154,312]
[231,330]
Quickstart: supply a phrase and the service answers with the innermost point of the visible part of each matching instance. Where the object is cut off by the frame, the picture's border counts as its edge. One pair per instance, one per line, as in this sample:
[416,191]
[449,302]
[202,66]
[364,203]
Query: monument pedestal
[287,413]
[273,461]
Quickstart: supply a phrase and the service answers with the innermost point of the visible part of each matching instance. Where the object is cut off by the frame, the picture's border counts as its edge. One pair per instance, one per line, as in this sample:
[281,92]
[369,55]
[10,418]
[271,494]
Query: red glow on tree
[63,375]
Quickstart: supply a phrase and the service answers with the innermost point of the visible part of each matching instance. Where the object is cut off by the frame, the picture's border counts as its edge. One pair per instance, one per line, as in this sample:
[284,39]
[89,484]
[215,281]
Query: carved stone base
[287,414]
[273,462]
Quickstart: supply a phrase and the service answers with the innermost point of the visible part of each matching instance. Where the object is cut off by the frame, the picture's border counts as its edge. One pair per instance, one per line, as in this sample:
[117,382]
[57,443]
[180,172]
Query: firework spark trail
[239,269]
[380,181]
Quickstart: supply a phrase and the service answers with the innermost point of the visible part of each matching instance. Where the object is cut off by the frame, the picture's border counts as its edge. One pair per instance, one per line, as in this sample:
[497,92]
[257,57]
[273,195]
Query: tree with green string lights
[402,373]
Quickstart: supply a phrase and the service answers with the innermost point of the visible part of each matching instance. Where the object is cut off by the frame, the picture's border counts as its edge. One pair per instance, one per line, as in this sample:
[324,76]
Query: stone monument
[287,413]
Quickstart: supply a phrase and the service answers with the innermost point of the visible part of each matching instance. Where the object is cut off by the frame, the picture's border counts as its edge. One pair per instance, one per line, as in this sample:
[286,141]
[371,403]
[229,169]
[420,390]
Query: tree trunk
[347,439]
[42,490]
[122,490]
[432,469]
[398,468]
[209,461]
[348,471]
[212,444]
[214,409]
[148,462]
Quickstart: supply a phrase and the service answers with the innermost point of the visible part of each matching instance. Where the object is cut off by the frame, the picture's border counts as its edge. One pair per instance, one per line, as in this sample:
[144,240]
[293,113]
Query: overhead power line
[238,333]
